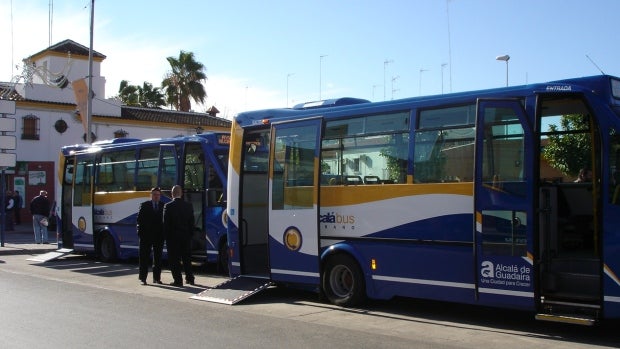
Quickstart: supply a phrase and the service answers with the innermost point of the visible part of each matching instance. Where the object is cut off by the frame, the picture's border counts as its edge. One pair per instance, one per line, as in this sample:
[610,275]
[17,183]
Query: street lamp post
[288,76]
[373,91]
[385,63]
[504,58]
[320,74]
[422,70]
[394,78]
[443,65]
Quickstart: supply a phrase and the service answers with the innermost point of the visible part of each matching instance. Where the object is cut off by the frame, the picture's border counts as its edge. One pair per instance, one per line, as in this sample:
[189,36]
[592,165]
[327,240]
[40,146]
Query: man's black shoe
[176,284]
[157,282]
[191,282]
[143,281]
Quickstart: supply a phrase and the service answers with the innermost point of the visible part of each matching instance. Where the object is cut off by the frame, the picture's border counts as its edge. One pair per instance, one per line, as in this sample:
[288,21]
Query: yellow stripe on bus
[359,194]
[236,148]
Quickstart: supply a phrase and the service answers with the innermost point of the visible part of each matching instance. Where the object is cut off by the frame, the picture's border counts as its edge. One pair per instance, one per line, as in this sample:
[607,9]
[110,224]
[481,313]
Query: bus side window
[167,179]
[168,167]
[444,145]
[215,192]
[366,149]
[194,167]
[143,182]
[614,167]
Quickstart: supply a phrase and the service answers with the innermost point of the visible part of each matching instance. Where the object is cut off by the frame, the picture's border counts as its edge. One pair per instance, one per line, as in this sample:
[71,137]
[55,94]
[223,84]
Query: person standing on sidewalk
[8,210]
[19,201]
[178,229]
[151,234]
[40,208]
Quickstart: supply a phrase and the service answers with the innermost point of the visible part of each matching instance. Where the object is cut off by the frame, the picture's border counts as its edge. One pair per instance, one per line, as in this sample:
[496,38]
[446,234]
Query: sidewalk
[22,238]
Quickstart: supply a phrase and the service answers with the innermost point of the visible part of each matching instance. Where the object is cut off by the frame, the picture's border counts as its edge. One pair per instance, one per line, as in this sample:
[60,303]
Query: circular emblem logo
[292,239]
[82,224]
[225,218]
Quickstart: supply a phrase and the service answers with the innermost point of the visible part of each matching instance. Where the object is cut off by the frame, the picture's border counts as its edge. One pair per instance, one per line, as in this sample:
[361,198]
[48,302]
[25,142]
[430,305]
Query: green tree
[569,146]
[150,97]
[184,81]
[141,96]
[128,94]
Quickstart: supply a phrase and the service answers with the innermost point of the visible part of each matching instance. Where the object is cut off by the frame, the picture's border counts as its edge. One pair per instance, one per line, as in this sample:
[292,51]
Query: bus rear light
[231,252]
[373,264]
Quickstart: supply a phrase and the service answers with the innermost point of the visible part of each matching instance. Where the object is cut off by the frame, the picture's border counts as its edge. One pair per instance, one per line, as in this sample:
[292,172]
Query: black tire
[222,258]
[107,249]
[343,281]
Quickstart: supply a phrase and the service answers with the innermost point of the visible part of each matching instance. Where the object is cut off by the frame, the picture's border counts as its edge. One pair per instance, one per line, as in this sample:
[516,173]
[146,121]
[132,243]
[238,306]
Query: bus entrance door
[82,203]
[293,201]
[503,197]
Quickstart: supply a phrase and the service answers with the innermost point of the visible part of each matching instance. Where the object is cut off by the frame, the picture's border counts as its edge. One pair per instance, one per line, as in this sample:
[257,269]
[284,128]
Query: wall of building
[52,104]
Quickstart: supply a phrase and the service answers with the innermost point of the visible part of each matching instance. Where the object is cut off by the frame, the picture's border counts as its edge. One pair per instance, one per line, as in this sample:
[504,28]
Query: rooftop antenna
[12,38]
[449,44]
[50,21]
[597,67]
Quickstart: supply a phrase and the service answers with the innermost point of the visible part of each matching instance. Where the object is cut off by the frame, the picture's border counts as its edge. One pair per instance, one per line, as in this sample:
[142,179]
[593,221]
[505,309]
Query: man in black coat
[178,229]
[151,234]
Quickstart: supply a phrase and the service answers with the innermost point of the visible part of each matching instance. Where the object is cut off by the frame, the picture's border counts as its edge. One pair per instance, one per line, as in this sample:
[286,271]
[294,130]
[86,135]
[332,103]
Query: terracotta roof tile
[70,46]
[172,116]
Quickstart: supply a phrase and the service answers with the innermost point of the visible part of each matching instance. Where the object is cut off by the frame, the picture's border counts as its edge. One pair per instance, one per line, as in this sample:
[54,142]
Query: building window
[61,126]
[31,127]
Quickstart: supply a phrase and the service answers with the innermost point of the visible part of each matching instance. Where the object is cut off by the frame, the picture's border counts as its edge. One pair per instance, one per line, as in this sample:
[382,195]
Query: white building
[48,117]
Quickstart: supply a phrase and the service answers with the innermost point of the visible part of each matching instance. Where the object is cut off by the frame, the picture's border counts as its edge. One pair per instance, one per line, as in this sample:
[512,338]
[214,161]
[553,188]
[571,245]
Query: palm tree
[141,96]
[128,94]
[184,81]
[150,97]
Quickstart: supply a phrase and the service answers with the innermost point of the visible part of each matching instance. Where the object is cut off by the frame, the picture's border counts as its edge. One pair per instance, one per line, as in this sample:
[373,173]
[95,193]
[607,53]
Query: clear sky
[277,53]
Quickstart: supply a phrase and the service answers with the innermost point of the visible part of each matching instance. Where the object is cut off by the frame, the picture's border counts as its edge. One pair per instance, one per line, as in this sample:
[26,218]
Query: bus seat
[372,180]
[353,180]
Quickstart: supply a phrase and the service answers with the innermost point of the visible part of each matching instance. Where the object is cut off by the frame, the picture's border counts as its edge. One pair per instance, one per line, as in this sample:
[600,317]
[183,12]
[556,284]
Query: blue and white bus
[468,197]
[104,183]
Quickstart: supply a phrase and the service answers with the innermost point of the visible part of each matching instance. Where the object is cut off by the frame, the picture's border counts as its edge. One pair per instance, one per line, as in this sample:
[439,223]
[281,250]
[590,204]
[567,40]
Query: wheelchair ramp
[234,290]
[50,256]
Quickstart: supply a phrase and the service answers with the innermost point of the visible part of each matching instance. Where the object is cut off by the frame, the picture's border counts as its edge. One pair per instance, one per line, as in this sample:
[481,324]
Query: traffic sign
[7,142]
[7,125]
[7,107]
[7,160]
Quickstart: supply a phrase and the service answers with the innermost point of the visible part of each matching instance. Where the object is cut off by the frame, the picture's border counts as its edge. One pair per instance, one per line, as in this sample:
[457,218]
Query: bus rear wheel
[343,281]
[107,249]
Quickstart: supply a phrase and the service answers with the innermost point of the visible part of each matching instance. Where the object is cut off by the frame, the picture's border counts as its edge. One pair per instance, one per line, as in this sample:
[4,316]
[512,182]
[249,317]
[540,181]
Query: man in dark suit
[150,232]
[178,229]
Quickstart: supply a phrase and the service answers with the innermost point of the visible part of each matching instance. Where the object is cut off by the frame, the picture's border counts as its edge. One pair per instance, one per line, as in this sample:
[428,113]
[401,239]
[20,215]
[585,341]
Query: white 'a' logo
[486,269]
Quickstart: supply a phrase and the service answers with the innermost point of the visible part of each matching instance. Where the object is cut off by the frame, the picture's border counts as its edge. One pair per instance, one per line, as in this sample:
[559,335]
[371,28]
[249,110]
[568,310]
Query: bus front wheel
[343,281]
[107,248]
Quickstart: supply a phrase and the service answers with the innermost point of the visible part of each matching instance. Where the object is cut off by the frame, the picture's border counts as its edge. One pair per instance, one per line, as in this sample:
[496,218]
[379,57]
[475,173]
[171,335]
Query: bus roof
[217,138]
[335,107]
[330,103]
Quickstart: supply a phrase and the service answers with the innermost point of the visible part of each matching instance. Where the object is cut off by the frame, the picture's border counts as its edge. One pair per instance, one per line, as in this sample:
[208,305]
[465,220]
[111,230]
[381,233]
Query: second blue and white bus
[467,197]
[104,183]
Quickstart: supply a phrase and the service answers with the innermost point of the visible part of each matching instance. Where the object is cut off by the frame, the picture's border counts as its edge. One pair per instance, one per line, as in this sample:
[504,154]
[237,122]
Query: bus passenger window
[614,167]
[444,145]
[116,171]
[370,147]
[147,168]
[194,167]
[504,233]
